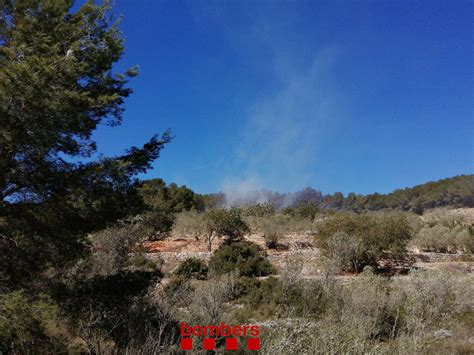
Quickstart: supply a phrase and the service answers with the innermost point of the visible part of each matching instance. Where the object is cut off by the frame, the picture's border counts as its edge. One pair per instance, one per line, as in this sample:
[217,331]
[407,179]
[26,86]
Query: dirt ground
[174,250]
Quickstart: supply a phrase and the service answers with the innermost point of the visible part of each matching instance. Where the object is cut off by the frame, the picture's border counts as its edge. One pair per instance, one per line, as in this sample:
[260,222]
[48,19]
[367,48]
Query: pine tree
[56,86]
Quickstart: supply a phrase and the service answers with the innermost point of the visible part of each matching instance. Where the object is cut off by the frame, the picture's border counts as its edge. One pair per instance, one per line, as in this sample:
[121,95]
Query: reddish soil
[174,250]
[176,246]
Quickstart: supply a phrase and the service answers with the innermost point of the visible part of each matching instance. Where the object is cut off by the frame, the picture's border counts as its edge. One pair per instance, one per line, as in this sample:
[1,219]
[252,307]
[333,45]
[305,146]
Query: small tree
[227,223]
[306,210]
[192,268]
[362,240]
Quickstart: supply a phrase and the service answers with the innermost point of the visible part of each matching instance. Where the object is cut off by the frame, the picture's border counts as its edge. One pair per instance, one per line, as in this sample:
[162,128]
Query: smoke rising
[281,135]
[280,139]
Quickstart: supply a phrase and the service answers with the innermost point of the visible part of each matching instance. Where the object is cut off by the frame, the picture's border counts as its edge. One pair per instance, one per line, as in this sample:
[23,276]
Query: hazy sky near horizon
[363,96]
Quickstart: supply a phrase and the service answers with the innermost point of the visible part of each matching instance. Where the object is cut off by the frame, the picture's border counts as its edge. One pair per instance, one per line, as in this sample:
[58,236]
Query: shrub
[289,211]
[306,210]
[209,300]
[287,297]
[156,224]
[259,298]
[244,257]
[272,233]
[227,223]
[347,321]
[370,314]
[246,285]
[430,297]
[178,291]
[139,262]
[283,224]
[192,268]
[346,252]
[366,308]
[364,239]
[443,239]
[150,225]
[99,308]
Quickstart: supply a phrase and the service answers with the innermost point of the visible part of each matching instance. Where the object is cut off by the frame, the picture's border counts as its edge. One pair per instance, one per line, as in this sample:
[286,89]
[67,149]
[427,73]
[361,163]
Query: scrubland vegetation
[75,272]
[118,299]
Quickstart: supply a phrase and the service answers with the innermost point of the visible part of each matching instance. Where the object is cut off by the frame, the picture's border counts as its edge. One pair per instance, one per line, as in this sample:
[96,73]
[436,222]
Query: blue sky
[363,96]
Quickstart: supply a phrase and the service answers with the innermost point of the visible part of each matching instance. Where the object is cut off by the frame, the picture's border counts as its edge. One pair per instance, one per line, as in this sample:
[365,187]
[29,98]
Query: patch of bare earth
[295,246]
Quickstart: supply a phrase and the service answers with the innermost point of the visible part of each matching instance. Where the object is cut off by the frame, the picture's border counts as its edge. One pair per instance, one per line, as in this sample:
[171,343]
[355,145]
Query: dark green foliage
[156,224]
[259,298]
[271,298]
[56,87]
[227,223]
[243,257]
[192,268]
[163,202]
[306,210]
[455,192]
[172,198]
[361,240]
[245,285]
[104,303]
[289,211]
[138,262]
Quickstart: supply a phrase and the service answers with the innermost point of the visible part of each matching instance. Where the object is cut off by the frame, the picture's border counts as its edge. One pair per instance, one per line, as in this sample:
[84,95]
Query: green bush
[156,224]
[443,239]
[362,240]
[139,262]
[345,251]
[244,257]
[306,210]
[172,198]
[192,268]
[276,297]
[284,224]
[259,298]
[246,285]
[225,222]
[372,314]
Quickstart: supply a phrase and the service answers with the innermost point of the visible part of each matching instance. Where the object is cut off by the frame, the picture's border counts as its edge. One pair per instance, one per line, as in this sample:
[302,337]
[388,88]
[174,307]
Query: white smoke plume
[281,135]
